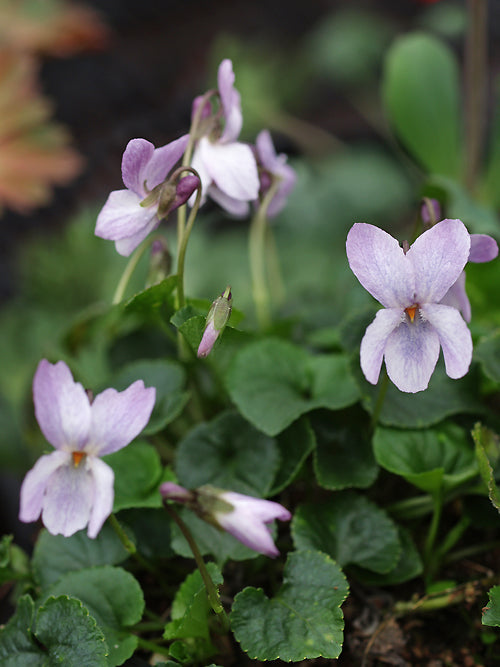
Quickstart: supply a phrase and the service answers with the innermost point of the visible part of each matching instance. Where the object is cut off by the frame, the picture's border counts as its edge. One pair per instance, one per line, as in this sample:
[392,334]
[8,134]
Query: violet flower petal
[136,156]
[230,101]
[173,491]
[122,216]
[125,246]
[456,297]
[378,262]
[207,342]
[247,522]
[68,499]
[374,341]
[483,248]
[232,167]
[235,207]
[103,495]
[118,417]
[62,407]
[411,354]
[265,150]
[454,336]
[35,483]
[163,161]
[439,256]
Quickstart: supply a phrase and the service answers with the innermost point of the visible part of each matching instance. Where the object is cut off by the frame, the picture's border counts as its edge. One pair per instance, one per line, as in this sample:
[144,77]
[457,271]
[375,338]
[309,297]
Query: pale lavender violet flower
[273,167]
[71,487]
[483,248]
[130,215]
[227,167]
[409,331]
[245,517]
[217,318]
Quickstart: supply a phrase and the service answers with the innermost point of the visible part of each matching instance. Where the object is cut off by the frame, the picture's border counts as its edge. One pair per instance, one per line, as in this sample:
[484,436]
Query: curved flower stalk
[71,487]
[227,167]
[245,517]
[410,283]
[272,168]
[130,215]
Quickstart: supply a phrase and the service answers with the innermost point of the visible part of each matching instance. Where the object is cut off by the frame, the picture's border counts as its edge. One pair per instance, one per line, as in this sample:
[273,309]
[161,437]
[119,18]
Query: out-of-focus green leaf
[274,382]
[422,97]
[434,460]
[487,446]
[228,453]
[351,529]
[491,613]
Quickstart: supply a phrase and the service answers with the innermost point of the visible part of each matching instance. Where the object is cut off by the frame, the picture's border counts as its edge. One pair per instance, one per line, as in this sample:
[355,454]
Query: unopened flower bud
[430,211]
[217,318]
[246,518]
[160,262]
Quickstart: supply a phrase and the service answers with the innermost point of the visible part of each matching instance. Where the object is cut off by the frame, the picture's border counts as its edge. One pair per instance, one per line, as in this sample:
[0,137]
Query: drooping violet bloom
[273,167]
[245,517]
[130,215]
[217,318]
[227,167]
[71,487]
[483,248]
[409,331]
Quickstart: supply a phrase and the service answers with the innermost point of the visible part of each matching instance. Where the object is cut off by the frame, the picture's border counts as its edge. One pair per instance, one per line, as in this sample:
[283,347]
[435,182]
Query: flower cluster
[228,171]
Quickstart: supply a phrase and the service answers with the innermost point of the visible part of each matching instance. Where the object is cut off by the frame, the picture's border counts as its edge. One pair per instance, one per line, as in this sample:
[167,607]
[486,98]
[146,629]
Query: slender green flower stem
[130,268]
[257,255]
[148,645]
[411,508]
[384,385]
[475,88]
[212,592]
[186,158]
[430,558]
[129,545]
[181,253]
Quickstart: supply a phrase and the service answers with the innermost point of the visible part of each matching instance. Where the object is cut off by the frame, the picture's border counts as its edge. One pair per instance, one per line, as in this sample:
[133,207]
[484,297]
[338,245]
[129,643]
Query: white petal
[374,341]
[35,483]
[411,354]
[62,407]
[454,337]
[232,167]
[102,505]
[233,206]
[119,416]
[380,265]
[68,499]
[439,256]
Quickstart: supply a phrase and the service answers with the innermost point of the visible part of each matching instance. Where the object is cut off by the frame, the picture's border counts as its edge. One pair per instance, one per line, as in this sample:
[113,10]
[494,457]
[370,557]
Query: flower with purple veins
[71,487]
[227,167]
[273,167]
[129,215]
[410,283]
[245,517]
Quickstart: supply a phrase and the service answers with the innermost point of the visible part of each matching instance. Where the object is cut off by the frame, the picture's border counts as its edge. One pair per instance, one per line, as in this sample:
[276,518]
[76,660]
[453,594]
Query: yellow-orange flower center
[77,458]
[411,310]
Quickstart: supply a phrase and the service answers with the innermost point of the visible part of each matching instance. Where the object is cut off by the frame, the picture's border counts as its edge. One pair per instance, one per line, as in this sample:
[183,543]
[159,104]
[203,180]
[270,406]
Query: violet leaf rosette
[410,283]
[71,487]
